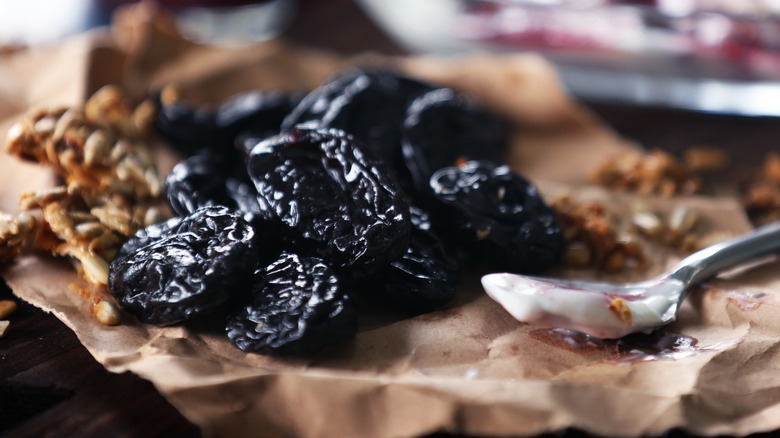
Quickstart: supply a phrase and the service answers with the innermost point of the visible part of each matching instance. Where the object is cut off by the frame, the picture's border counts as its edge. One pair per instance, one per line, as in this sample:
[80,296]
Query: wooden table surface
[50,386]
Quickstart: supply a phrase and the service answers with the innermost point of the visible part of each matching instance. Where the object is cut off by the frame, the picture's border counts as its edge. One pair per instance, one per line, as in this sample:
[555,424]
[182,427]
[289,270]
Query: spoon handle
[708,262]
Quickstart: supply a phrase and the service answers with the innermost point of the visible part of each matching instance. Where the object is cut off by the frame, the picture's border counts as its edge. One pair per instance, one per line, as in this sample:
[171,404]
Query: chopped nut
[615,261]
[57,217]
[648,223]
[681,221]
[577,254]
[699,158]
[108,107]
[3,327]
[105,244]
[31,200]
[106,312]
[592,236]
[89,230]
[633,250]
[654,172]
[16,234]
[170,94]
[620,308]
[762,197]
[7,307]
[80,217]
[97,148]
[94,267]
[484,233]
[115,219]
[143,117]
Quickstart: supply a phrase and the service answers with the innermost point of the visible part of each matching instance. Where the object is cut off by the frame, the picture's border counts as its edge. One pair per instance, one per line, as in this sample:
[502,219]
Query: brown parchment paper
[468,368]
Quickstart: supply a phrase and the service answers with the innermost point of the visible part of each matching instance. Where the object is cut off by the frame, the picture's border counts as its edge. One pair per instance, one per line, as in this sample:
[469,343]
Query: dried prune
[443,128]
[191,128]
[298,306]
[423,279]
[187,128]
[185,268]
[499,216]
[145,236]
[335,199]
[261,112]
[198,181]
[370,105]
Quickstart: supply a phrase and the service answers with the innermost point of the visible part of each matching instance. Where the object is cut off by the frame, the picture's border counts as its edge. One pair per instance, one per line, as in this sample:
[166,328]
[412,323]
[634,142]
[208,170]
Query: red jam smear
[634,348]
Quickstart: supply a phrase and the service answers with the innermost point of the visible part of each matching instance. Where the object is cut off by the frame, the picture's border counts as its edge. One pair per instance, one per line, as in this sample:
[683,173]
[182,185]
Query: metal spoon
[615,310]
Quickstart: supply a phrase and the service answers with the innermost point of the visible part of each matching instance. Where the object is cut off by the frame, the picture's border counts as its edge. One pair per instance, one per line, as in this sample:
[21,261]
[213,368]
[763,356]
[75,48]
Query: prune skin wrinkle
[298,307]
[199,181]
[145,236]
[497,216]
[185,268]
[369,104]
[444,128]
[421,280]
[334,199]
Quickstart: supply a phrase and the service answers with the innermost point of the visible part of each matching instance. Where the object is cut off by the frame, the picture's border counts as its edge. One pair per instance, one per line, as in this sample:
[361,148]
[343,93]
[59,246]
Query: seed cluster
[110,185]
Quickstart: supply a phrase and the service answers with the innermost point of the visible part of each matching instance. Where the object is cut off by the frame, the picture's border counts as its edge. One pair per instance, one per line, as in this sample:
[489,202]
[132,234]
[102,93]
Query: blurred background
[720,56]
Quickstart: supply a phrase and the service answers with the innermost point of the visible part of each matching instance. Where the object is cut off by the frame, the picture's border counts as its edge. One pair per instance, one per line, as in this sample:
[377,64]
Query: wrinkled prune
[443,128]
[185,268]
[370,105]
[187,128]
[261,112]
[199,181]
[498,215]
[298,307]
[336,200]
[145,236]
[423,279]
[191,129]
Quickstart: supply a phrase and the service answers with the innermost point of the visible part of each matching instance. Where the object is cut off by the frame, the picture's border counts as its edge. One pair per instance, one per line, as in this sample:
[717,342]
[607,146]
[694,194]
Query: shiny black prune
[499,217]
[423,279]
[187,128]
[298,306]
[260,112]
[145,236]
[443,128]
[199,180]
[185,268]
[335,199]
[370,105]
[191,129]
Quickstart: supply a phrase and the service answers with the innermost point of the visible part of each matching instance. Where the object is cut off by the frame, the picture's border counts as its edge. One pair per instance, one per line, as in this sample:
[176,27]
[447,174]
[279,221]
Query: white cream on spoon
[615,310]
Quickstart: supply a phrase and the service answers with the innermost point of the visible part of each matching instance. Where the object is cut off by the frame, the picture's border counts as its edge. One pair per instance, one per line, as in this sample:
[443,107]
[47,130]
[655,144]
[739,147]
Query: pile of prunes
[373,187]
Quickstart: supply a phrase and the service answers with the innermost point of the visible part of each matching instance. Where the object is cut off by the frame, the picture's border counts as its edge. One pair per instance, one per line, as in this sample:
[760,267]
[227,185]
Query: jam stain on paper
[747,300]
[631,349]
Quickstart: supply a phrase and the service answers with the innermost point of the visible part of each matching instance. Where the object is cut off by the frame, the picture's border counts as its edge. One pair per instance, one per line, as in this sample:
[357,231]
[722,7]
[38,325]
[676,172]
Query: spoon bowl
[612,311]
